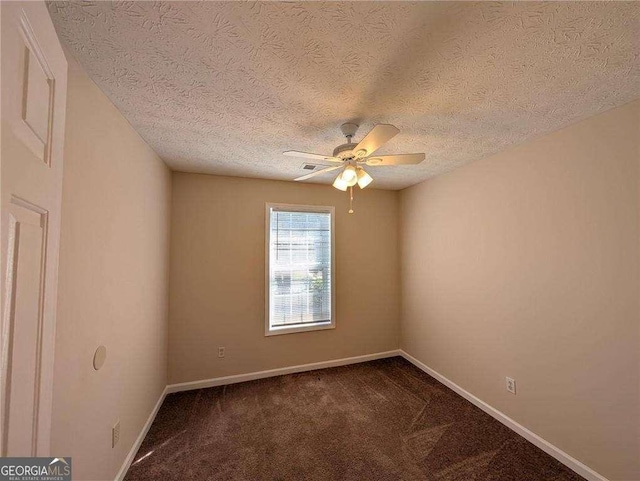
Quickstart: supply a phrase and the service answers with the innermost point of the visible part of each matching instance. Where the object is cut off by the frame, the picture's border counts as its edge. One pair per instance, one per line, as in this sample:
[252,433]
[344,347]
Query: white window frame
[269,206]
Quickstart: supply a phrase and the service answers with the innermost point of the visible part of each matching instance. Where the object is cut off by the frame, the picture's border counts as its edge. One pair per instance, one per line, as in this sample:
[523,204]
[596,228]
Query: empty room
[284,241]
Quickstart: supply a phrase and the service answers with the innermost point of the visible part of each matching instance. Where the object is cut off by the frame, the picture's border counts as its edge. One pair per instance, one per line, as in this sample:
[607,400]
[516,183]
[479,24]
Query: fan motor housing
[347,152]
[344,151]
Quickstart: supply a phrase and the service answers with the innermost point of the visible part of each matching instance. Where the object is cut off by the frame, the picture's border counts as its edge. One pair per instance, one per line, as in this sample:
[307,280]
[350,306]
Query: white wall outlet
[511,385]
[221,352]
[115,434]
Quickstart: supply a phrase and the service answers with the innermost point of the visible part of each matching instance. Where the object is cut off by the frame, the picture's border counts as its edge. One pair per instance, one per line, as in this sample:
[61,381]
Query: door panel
[24,289]
[37,94]
[34,77]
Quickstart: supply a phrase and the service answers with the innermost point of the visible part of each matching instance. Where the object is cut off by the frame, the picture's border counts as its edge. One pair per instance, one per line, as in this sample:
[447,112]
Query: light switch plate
[115,434]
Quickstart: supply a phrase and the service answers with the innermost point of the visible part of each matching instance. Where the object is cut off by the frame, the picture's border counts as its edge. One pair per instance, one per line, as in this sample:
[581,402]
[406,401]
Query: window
[300,269]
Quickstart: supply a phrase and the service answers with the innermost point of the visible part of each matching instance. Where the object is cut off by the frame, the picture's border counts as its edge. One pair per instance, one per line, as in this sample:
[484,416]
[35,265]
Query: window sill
[278,331]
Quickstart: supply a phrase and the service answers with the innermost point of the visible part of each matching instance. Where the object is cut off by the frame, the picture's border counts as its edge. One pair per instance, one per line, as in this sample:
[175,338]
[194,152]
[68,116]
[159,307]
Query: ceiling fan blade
[375,139]
[313,174]
[307,155]
[400,159]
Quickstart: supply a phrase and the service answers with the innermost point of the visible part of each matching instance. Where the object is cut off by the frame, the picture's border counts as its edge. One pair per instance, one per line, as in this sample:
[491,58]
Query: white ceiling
[226,87]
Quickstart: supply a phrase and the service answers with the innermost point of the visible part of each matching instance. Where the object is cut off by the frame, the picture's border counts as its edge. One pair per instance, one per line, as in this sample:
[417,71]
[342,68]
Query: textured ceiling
[226,87]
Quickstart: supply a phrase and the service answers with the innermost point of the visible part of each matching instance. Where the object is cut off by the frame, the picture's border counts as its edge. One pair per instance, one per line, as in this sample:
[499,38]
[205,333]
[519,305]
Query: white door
[34,84]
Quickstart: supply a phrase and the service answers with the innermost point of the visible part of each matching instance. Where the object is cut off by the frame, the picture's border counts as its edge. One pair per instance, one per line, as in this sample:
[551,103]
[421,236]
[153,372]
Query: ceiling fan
[351,157]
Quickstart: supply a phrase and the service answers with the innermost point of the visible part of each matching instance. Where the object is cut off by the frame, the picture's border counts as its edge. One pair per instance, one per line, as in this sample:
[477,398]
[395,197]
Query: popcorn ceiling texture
[225,87]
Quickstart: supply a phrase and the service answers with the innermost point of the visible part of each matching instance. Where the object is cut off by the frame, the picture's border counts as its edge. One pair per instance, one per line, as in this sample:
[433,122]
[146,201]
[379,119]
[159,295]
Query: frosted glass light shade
[364,179]
[340,184]
[349,175]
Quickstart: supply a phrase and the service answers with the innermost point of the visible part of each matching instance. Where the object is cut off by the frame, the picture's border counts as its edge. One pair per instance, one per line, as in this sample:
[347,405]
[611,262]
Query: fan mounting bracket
[349,129]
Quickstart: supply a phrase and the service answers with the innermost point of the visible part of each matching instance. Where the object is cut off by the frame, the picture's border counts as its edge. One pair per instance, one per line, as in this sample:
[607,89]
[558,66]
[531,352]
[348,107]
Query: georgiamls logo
[35,469]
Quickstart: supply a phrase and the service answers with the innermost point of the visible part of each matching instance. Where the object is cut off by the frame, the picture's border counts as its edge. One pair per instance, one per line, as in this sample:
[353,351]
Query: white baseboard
[220,381]
[136,445]
[572,463]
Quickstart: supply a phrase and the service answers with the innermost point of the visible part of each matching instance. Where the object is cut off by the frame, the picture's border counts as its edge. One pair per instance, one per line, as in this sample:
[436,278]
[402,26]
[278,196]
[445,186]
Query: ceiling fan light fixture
[340,184]
[364,179]
[350,157]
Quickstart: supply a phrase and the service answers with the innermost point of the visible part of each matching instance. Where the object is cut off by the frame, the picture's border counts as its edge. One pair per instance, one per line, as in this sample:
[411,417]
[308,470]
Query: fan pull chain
[351,200]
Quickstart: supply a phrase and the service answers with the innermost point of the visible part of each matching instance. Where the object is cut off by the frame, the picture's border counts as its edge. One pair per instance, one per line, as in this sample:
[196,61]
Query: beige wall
[217,295]
[526,264]
[113,285]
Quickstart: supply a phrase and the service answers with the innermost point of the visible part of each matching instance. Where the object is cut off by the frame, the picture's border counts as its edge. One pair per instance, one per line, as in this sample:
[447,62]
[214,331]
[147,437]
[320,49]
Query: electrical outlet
[511,385]
[221,352]
[115,434]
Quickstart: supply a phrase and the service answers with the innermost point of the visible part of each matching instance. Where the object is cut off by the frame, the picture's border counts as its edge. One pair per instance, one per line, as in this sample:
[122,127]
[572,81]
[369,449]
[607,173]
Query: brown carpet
[380,420]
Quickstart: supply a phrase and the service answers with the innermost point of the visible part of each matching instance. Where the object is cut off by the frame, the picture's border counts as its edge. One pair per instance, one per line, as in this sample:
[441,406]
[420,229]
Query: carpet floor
[379,420]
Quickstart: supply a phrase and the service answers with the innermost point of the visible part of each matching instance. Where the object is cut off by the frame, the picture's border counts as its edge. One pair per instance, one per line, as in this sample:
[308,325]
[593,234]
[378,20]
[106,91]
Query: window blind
[299,268]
